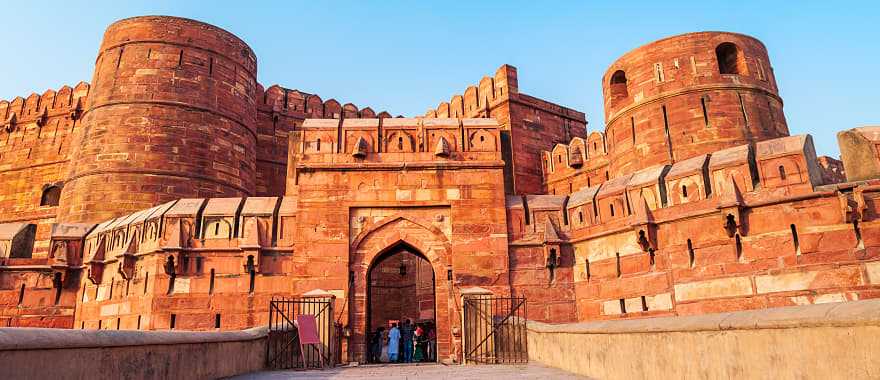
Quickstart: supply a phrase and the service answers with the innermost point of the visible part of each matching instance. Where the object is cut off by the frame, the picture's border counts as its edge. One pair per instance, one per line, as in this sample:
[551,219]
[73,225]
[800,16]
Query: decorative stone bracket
[731,207]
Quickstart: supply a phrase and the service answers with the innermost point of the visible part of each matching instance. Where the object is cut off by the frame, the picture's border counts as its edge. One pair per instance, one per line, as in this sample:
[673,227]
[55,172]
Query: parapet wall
[743,228]
[36,134]
[806,342]
[281,111]
[34,353]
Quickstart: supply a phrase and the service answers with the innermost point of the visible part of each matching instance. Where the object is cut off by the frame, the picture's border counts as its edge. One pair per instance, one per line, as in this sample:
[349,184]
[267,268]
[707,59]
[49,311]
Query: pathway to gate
[422,372]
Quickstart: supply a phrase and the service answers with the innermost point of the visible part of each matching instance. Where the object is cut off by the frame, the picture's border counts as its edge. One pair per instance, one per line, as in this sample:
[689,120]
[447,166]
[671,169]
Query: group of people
[408,343]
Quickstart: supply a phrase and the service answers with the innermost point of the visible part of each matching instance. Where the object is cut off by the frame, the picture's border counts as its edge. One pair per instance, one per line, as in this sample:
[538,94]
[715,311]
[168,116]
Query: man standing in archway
[406,334]
[393,343]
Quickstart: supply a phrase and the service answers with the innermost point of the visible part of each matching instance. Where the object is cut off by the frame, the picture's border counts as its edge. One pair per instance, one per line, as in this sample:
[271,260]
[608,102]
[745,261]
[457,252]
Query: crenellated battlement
[66,102]
[295,103]
[770,169]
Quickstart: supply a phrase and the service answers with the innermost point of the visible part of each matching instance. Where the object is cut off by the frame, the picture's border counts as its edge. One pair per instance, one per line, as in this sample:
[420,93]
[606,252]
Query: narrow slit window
[782,172]
[692,259]
[581,217]
[794,239]
[684,191]
[739,247]
[217,321]
[632,128]
[617,258]
[705,112]
[623,306]
[587,267]
[612,209]
[318,145]
[644,304]
[173,322]
[211,284]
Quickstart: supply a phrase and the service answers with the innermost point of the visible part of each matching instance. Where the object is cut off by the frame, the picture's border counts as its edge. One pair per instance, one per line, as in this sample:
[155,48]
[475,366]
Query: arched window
[684,191]
[51,195]
[730,59]
[618,85]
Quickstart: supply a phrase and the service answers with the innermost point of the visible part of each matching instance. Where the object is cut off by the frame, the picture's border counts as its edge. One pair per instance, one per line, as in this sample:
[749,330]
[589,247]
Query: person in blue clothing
[393,341]
[406,336]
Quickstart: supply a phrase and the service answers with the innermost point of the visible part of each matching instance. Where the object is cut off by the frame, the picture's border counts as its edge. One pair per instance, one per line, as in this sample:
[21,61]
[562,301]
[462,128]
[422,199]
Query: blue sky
[407,56]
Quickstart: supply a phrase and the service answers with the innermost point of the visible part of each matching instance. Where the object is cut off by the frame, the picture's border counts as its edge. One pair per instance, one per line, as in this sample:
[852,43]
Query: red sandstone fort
[173,191]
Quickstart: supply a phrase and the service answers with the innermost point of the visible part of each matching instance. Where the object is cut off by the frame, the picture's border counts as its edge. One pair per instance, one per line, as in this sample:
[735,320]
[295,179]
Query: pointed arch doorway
[401,286]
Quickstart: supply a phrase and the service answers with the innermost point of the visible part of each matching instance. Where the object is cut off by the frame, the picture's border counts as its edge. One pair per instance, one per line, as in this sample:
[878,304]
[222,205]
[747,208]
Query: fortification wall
[280,111]
[528,125]
[687,95]
[35,139]
[706,234]
[170,115]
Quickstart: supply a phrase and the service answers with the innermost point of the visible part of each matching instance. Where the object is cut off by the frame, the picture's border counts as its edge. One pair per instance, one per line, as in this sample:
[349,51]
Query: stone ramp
[421,372]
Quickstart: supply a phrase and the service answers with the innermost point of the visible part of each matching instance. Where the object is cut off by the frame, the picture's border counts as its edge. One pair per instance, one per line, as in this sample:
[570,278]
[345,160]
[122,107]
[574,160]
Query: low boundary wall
[826,341]
[42,353]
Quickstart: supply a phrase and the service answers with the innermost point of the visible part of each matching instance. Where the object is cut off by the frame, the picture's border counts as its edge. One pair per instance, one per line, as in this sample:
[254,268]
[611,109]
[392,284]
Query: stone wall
[36,353]
[837,341]
[529,125]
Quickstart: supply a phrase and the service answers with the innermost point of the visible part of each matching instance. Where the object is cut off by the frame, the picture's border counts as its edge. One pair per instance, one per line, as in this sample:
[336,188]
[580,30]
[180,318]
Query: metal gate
[283,348]
[495,330]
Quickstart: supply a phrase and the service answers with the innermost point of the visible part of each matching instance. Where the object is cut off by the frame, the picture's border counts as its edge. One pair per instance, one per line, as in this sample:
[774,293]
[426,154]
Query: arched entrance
[400,287]
[380,241]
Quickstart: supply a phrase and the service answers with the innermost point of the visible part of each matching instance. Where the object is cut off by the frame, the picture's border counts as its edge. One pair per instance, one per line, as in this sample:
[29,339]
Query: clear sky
[407,56]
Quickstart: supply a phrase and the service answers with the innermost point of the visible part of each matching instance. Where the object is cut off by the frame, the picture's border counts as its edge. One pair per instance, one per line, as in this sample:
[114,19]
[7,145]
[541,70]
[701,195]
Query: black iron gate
[495,330]
[283,348]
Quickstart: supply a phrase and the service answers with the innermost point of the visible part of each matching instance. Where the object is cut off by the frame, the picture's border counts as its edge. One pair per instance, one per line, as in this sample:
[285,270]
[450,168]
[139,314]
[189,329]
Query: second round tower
[687,95]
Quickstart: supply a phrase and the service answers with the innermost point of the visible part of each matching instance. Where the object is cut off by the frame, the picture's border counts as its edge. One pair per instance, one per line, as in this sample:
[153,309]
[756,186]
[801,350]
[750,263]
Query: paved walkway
[422,372]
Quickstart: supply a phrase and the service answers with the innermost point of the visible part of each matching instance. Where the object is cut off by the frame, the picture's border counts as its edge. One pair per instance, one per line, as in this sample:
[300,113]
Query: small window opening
[318,148]
[611,207]
[644,304]
[623,306]
[782,172]
[51,196]
[100,323]
[400,143]
[730,61]
[794,238]
[217,321]
[21,294]
[146,281]
[651,258]
[139,322]
[618,85]
[173,323]
[658,73]
[684,191]
[581,217]
[118,323]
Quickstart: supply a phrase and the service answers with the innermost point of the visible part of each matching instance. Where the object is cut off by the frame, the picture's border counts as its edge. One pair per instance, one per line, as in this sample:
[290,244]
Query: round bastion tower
[687,95]
[170,115]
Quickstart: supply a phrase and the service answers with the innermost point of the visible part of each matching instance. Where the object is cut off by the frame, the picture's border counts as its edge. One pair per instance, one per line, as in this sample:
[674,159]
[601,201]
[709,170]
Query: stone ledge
[24,338]
[850,313]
